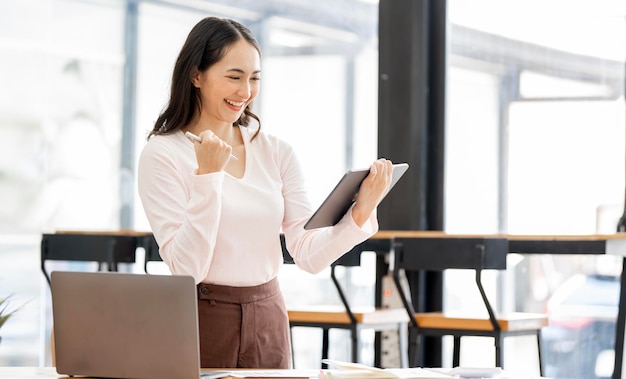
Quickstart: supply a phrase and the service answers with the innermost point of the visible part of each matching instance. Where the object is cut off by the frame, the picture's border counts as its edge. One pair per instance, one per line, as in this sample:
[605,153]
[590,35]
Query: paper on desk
[477,372]
[355,370]
[397,373]
[482,373]
[285,374]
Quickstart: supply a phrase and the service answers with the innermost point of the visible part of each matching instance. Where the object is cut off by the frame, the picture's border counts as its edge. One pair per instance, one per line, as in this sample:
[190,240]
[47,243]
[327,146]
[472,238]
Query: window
[60,116]
[535,144]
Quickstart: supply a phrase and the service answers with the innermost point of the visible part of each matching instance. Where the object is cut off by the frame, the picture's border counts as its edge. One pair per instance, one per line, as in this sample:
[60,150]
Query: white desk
[50,373]
[29,372]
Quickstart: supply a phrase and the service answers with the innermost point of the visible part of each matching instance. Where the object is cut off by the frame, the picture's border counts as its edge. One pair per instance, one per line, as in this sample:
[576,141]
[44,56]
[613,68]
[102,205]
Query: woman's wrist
[359,216]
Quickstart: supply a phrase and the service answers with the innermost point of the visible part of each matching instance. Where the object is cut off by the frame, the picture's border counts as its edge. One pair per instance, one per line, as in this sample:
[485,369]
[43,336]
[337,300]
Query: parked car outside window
[580,339]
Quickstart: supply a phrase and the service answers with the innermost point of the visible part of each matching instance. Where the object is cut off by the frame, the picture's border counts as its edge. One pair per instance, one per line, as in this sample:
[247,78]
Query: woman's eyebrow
[240,71]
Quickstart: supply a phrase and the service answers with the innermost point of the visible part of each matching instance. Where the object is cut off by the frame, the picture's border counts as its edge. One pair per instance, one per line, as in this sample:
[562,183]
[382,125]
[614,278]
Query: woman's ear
[195,77]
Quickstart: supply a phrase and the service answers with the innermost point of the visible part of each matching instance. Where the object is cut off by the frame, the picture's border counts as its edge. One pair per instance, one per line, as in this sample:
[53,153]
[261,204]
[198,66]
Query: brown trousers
[244,327]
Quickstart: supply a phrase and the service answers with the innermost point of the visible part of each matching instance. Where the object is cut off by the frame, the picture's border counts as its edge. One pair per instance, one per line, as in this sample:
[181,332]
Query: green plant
[5,311]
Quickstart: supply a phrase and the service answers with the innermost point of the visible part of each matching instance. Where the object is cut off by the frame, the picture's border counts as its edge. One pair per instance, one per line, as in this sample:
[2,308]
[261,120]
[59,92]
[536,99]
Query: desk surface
[585,244]
[50,372]
[29,372]
[387,234]
[118,232]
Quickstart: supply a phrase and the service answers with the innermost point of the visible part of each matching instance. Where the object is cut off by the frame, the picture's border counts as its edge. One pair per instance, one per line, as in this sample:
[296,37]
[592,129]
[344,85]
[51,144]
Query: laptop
[119,325]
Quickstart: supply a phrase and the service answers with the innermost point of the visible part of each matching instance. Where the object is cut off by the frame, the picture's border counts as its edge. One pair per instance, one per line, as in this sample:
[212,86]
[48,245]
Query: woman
[219,218]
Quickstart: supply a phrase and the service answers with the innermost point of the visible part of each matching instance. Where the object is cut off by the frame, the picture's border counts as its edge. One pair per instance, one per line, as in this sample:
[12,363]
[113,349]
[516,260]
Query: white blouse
[224,230]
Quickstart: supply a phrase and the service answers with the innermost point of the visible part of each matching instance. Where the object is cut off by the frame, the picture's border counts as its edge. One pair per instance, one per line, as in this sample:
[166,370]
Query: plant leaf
[5,313]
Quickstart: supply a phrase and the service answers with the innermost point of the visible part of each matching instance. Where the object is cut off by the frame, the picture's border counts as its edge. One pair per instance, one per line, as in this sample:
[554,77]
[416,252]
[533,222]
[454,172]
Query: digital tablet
[342,196]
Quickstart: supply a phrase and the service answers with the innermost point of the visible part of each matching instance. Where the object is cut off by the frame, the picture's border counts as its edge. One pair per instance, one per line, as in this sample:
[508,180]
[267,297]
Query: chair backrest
[442,253]
[104,248]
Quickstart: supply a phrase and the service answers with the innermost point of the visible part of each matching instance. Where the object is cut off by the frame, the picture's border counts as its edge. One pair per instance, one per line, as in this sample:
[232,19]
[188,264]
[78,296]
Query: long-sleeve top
[225,230]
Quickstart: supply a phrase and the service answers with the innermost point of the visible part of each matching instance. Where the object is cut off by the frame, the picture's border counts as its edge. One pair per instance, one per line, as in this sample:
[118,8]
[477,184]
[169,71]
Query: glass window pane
[60,116]
[552,162]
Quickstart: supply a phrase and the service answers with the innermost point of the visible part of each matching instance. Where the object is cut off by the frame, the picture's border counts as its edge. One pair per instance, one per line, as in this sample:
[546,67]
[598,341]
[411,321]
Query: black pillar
[412,66]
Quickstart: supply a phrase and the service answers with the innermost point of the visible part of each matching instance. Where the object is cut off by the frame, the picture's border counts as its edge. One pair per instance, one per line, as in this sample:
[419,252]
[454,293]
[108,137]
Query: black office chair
[460,324]
[347,317]
[85,247]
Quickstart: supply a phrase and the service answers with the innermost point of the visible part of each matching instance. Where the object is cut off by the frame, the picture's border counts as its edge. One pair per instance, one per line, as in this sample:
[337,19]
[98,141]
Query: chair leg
[293,355]
[354,334]
[403,345]
[456,352]
[499,341]
[413,349]
[324,346]
[539,352]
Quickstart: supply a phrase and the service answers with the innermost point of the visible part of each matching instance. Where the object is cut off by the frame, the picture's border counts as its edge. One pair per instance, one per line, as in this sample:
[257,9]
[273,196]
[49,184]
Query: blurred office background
[535,137]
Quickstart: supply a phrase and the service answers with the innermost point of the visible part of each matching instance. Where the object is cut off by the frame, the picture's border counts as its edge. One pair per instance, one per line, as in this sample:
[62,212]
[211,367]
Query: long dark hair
[206,44]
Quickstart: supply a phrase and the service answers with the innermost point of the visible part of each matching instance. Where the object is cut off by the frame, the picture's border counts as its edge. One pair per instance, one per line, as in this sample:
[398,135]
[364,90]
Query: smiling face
[229,85]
